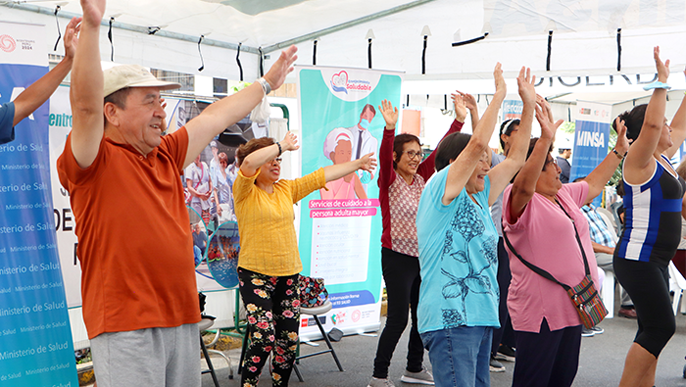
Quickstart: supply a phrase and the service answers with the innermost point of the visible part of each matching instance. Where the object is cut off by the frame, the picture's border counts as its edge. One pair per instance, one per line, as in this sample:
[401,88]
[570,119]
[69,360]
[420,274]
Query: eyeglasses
[278,160]
[412,154]
[550,161]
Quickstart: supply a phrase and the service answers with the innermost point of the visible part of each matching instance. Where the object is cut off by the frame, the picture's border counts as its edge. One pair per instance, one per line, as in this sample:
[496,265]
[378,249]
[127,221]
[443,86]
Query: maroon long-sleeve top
[399,200]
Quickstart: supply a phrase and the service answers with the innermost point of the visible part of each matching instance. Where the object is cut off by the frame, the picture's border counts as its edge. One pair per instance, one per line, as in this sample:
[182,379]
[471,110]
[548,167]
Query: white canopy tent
[598,50]
[584,35]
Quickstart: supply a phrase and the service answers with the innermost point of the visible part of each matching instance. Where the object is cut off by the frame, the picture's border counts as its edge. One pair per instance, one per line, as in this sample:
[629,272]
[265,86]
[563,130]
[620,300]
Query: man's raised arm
[86,92]
[229,110]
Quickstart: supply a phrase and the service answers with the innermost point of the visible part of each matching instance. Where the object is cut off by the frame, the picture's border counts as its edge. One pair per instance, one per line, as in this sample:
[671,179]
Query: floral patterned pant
[273,306]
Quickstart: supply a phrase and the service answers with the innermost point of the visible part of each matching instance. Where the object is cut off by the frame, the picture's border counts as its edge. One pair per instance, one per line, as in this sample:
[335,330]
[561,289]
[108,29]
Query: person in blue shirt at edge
[11,113]
[458,297]
[563,163]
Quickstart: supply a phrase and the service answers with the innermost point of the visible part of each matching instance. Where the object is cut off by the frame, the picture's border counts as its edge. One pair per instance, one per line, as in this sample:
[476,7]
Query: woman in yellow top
[269,262]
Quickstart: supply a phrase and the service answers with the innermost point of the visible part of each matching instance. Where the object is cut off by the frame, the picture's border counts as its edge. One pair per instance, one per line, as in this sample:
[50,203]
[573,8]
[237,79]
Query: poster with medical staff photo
[340,228]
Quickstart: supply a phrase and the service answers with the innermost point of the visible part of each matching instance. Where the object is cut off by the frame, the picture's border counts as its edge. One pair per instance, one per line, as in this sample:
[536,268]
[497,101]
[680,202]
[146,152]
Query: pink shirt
[544,236]
[339,189]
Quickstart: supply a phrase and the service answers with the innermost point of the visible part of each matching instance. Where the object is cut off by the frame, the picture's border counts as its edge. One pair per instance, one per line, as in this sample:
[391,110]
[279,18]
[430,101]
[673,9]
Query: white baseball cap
[121,77]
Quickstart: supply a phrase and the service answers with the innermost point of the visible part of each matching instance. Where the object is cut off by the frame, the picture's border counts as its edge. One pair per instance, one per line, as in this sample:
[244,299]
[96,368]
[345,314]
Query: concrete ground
[601,363]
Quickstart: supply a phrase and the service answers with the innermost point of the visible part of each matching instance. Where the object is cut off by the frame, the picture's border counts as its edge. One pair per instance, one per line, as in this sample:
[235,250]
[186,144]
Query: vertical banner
[590,138]
[340,228]
[36,344]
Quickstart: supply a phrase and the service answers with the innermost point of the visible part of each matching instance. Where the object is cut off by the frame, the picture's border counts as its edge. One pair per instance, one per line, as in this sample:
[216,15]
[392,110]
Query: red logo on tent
[7,43]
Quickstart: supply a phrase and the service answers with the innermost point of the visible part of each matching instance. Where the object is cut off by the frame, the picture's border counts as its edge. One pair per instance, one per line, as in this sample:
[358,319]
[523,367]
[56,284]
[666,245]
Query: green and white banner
[340,228]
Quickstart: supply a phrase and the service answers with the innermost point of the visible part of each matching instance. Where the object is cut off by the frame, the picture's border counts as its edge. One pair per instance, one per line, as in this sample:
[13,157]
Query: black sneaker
[496,366]
[505,353]
[598,330]
[587,332]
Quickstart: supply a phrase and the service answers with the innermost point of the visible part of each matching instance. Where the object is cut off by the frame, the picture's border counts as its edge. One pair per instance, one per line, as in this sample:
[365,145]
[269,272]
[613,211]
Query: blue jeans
[460,356]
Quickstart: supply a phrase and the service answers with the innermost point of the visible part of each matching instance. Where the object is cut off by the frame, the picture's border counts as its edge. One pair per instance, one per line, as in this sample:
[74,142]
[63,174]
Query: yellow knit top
[265,222]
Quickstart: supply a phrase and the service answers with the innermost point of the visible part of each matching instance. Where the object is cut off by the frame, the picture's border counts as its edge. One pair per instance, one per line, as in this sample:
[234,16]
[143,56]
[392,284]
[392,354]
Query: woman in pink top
[402,175]
[540,216]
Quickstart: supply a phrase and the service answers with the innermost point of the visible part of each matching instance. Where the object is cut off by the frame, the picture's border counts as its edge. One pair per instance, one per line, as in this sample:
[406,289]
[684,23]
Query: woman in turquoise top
[458,298]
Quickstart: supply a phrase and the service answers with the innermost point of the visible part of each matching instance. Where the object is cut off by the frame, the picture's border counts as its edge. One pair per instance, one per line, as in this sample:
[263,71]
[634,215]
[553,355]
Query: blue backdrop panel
[35,337]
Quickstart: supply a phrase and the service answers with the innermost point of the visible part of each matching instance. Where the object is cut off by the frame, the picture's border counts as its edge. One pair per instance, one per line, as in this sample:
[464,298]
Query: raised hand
[71,37]
[460,106]
[93,11]
[284,65]
[662,68]
[469,100]
[544,105]
[390,114]
[525,81]
[367,163]
[289,142]
[500,86]
[622,145]
[548,127]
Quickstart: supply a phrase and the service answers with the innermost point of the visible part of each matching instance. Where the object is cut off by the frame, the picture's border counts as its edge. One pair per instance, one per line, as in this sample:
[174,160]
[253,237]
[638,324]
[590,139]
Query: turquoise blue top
[458,256]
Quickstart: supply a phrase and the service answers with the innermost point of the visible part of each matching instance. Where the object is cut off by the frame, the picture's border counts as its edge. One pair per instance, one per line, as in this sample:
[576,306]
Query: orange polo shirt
[135,244]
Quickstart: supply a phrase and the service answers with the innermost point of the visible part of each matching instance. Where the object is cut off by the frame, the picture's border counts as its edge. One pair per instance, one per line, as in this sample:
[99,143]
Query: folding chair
[315,312]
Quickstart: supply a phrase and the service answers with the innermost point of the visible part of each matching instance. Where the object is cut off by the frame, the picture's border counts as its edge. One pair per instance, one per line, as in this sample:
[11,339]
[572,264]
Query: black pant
[401,274]
[547,359]
[648,286]
[273,312]
[505,334]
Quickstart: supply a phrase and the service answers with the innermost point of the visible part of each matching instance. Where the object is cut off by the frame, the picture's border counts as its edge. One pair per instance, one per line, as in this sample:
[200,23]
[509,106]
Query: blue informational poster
[590,139]
[35,337]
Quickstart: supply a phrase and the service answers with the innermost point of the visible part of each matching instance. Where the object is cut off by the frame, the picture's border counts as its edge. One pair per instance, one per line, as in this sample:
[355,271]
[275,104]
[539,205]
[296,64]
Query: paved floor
[601,363]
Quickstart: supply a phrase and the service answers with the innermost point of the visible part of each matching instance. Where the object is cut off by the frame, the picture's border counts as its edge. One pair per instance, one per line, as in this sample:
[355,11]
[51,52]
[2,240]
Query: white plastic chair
[677,284]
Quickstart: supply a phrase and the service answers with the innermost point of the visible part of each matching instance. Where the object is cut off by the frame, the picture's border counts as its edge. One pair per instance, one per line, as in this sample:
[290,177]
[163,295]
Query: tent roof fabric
[584,40]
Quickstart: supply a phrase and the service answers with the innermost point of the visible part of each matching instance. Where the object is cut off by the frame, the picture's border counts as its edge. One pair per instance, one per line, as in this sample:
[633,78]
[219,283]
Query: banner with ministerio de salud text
[35,338]
[340,229]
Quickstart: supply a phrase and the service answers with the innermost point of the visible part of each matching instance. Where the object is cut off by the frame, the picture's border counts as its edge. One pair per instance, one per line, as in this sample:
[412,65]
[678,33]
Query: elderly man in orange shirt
[140,302]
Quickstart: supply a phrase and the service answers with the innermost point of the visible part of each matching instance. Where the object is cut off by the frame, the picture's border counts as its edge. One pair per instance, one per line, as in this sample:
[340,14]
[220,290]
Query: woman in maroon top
[402,175]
